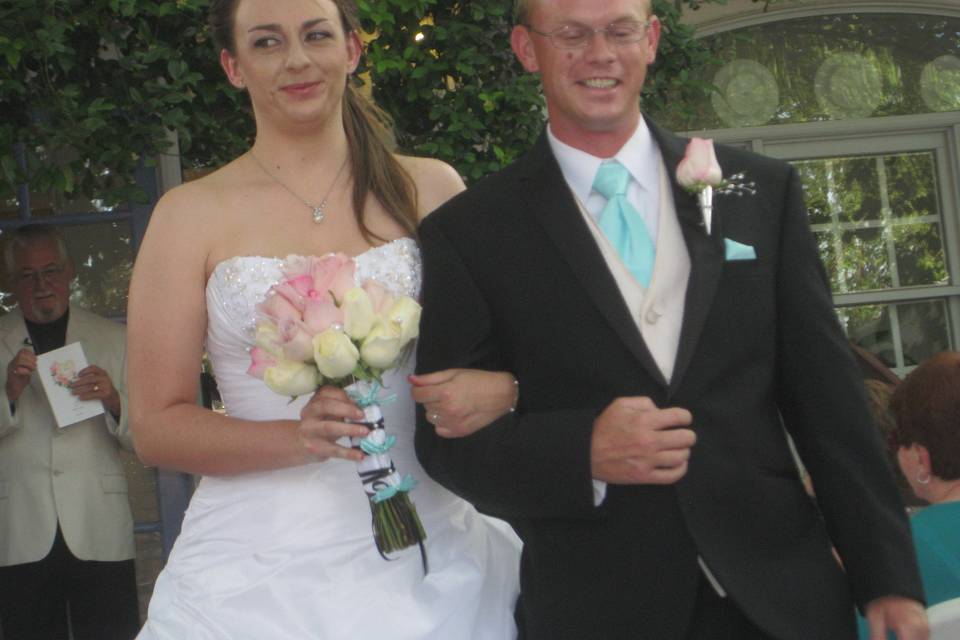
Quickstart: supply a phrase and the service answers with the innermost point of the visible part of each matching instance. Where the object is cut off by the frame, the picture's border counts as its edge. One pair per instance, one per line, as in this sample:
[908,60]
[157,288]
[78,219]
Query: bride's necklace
[318,209]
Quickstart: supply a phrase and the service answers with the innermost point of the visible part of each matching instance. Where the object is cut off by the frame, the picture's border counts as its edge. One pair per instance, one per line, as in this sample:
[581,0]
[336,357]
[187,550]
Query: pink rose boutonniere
[700,174]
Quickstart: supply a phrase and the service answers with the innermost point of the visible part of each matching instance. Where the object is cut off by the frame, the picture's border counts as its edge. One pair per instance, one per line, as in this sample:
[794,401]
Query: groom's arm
[821,398]
[523,465]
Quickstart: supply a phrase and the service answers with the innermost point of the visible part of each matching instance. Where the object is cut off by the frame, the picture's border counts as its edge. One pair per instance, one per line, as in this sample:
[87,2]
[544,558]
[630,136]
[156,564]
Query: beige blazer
[73,475]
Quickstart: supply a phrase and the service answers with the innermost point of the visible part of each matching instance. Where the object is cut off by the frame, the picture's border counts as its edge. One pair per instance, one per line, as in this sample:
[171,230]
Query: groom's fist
[634,442]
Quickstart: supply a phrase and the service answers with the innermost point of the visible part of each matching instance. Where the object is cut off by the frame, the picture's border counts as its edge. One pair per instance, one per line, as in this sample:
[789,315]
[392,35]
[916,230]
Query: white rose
[358,314]
[381,346]
[405,314]
[289,378]
[336,356]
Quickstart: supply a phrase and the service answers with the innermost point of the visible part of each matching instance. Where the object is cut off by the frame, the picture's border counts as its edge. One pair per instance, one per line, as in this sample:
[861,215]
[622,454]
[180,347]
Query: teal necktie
[622,224]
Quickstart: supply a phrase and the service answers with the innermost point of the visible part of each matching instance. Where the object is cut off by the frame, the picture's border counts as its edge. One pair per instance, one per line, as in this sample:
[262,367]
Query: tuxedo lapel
[544,192]
[706,254]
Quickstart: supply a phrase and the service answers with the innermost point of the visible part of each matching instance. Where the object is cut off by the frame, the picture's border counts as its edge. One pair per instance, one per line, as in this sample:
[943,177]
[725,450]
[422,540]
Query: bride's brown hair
[374,168]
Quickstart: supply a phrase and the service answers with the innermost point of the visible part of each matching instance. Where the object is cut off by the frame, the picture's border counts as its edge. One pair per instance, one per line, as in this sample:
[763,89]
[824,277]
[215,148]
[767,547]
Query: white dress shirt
[641,158]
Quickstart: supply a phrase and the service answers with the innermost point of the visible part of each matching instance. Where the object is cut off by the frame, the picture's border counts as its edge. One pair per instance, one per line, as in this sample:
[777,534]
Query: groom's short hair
[521,10]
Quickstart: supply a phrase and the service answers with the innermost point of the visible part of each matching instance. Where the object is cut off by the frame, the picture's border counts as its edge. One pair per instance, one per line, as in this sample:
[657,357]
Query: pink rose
[320,314]
[279,307]
[332,273]
[699,172]
[297,341]
[260,361]
[699,167]
[296,290]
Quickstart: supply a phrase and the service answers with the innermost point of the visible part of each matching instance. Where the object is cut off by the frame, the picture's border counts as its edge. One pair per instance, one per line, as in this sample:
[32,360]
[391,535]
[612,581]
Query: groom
[660,364]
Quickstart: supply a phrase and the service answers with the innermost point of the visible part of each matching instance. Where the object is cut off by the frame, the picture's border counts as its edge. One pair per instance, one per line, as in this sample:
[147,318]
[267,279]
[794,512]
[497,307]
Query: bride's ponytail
[374,168]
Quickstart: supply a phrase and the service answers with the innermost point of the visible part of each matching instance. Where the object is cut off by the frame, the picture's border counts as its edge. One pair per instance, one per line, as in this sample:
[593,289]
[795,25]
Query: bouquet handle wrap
[395,522]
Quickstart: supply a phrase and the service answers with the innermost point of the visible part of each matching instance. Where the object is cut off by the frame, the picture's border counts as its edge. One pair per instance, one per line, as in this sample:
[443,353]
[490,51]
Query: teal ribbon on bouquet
[395,522]
[407,484]
[364,400]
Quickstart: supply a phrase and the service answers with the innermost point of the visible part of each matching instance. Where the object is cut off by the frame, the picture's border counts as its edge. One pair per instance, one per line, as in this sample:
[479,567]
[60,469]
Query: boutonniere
[700,174]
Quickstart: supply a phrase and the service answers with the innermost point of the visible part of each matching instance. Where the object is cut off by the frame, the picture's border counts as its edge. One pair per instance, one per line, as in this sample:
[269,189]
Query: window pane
[920,257]
[900,335]
[869,327]
[816,191]
[864,264]
[104,258]
[923,330]
[877,220]
[828,254]
[828,67]
[912,184]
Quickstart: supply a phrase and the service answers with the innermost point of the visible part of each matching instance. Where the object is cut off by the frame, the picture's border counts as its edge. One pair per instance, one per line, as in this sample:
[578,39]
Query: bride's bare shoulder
[201,198]
[436,181]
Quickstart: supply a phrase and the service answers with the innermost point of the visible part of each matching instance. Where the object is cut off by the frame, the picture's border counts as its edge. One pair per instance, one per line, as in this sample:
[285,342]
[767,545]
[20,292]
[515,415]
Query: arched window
[866,103]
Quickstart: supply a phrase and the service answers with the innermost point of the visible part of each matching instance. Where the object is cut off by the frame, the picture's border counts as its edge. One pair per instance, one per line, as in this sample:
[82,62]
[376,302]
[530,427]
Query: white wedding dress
[289,554]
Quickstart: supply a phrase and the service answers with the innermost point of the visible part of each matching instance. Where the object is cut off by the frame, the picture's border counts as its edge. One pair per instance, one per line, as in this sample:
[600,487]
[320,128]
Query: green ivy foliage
[445,72]
[91,89]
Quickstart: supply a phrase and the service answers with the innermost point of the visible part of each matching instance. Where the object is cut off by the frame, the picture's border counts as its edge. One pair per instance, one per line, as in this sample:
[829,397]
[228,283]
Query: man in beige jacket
[66,531]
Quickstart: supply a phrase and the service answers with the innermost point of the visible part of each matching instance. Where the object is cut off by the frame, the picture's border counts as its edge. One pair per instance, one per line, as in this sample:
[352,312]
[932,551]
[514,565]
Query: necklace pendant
[318,214]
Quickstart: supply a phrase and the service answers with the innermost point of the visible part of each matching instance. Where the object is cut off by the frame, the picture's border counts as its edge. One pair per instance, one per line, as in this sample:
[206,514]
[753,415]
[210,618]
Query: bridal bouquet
[316,328]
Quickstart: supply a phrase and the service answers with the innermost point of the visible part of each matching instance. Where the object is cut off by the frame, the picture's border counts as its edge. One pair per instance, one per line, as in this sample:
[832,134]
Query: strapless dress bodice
[288,554]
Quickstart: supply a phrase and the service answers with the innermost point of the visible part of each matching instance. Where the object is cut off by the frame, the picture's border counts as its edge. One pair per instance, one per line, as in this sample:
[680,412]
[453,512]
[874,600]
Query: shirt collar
[638,155]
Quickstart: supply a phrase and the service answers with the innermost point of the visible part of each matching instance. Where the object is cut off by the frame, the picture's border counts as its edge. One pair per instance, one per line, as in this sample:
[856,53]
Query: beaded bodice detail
[238,284]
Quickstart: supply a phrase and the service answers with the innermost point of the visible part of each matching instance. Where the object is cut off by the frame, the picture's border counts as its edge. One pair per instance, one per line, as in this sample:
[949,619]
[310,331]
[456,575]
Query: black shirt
[50,335]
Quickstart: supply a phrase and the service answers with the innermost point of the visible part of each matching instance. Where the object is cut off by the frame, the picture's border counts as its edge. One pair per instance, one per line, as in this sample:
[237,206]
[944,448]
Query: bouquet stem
[395,522]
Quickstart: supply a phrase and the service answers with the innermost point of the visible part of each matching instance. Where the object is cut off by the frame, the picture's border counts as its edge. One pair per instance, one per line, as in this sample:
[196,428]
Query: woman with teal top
[926,439]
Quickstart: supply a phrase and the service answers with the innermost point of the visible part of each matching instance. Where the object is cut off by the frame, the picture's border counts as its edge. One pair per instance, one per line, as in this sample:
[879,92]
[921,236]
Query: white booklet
[57,369]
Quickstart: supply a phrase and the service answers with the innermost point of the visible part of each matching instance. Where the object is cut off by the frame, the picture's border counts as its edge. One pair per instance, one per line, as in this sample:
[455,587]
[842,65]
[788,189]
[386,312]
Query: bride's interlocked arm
[458,402]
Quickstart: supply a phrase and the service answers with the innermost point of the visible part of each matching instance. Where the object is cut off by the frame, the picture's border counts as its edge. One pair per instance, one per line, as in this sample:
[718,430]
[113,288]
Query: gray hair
[28,234]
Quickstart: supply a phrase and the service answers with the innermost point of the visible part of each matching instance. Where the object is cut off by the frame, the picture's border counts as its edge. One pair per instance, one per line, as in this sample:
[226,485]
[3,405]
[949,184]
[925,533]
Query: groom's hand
[905,617]
[634,442]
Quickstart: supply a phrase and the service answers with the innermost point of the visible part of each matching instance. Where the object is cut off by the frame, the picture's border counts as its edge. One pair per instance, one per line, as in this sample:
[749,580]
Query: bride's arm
[167,320]
[458,402]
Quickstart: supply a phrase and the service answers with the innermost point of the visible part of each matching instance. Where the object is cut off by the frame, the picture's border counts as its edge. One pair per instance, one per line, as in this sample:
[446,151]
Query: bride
[277,540]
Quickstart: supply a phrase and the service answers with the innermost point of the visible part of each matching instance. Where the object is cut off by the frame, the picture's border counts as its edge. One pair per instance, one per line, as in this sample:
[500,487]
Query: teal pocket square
[738,251]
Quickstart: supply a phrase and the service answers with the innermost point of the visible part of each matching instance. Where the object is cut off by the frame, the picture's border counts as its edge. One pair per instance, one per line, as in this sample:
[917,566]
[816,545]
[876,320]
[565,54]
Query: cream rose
[290,378]
[358,313]
[336,356]
[405,315]
[381,346]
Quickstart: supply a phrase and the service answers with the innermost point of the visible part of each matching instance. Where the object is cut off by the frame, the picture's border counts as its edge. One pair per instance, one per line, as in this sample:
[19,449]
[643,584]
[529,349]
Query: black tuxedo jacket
[514,281]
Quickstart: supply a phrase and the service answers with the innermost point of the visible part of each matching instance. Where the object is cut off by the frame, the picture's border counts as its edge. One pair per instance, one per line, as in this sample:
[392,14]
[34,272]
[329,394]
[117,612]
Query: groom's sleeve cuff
[599,492]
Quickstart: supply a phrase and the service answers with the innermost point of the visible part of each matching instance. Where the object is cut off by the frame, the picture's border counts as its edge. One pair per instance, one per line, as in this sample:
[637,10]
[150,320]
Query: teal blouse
[936,538]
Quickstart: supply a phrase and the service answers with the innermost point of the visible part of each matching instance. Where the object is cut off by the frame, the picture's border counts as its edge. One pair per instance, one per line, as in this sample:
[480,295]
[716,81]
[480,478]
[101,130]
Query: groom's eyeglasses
[571,36]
